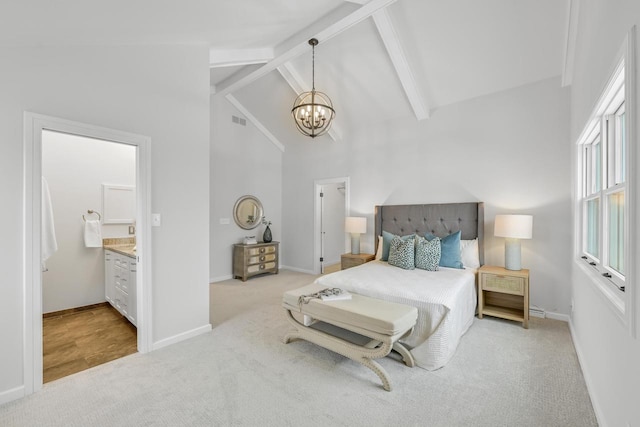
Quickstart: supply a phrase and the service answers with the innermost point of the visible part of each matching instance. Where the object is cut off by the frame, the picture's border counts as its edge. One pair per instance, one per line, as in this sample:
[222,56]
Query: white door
[332,206]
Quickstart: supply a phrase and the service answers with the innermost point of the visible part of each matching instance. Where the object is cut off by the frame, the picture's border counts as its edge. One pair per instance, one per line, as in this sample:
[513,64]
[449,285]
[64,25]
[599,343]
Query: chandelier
[313,111]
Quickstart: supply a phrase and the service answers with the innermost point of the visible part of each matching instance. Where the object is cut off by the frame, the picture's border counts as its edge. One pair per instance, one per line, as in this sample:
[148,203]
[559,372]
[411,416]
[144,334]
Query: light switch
[156,220]
[224,221]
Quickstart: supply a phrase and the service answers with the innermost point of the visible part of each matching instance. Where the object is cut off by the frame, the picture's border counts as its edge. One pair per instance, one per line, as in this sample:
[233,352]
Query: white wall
[75,168]
[508,150]
[243,161]
[608,354]
[158,91]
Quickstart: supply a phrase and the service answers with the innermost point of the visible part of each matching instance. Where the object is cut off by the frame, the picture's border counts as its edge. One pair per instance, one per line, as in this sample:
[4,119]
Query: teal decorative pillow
[402,253]
[386,243]
[449,250]
[428,253]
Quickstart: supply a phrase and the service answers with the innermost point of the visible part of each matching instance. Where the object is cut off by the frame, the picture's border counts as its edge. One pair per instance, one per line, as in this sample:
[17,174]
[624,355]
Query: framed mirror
[248,212]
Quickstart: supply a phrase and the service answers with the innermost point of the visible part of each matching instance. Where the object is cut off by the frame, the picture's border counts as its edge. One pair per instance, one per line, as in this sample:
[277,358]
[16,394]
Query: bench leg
[354,352]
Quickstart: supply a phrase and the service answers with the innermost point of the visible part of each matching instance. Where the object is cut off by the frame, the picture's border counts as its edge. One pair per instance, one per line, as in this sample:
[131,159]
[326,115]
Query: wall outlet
[225,221]
[156,220]
[132,229]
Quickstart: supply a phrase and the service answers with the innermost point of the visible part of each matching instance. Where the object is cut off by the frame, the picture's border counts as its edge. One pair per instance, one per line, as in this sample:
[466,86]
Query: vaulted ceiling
[377,59]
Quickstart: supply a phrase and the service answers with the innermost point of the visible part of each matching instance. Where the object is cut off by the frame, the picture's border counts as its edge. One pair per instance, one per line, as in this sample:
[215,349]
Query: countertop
[121,245]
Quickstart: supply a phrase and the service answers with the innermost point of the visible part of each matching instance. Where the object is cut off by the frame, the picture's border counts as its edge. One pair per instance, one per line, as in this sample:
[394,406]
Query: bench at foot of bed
[360,328]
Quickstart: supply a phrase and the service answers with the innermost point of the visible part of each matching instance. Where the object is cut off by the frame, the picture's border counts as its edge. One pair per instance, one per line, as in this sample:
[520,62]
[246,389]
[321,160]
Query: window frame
[617,99]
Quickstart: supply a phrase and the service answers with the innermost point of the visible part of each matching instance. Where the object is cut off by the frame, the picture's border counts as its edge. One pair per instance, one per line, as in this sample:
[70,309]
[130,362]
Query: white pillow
[379,250]
[469,253]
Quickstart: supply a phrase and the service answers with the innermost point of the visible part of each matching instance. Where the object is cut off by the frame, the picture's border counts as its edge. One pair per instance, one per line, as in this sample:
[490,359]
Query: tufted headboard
[438,219]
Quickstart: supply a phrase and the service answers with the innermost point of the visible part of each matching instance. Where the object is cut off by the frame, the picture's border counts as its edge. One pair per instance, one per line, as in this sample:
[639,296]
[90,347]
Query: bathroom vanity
[120,279]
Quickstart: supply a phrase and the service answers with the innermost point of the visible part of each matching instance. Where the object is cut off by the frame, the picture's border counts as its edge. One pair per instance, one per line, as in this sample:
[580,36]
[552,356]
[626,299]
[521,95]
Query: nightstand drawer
[504,284]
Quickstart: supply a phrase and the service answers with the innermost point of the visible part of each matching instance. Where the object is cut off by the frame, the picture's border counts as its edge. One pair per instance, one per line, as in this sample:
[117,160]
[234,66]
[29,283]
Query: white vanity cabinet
[120,283]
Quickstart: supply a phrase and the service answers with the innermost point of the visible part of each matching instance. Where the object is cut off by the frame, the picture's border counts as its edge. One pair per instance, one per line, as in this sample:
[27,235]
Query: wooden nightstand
[504,293]
[350,260]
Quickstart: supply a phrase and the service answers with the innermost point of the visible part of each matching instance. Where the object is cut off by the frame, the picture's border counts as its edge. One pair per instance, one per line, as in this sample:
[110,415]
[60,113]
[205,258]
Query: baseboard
[587,377]
[11,395]
[298,270]
[181,337]
[221,278]
[559,316]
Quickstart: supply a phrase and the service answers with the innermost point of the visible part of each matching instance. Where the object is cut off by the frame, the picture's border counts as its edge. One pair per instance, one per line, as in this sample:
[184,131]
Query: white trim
[271,137]
[238,57]
[298,270]
[34,124]
[558,316]
[292,77]
[181,337]
[571,37]
[632,247]
[400,63]
[12,394]
[220,278]
[297,44]
[316,214]
[587,376]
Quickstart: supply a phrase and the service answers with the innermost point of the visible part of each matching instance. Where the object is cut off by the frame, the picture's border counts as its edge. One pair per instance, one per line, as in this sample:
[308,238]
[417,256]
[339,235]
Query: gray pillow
[427,253]
[402,253]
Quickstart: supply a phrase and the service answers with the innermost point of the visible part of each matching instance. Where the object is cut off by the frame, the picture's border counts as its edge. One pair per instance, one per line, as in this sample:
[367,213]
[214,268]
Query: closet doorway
[331,207]
[89,210]
[38,130]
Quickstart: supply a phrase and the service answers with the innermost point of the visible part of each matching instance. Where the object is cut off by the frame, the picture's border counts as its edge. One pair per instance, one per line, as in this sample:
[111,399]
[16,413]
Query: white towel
[92,233]
[48,243]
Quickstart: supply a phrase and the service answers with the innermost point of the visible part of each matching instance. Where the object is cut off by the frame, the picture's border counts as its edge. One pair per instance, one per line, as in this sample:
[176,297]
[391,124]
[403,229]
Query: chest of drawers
[250,260]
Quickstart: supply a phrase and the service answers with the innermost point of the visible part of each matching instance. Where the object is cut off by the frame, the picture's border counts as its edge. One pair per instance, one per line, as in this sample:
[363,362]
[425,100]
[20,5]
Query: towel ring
[90,211]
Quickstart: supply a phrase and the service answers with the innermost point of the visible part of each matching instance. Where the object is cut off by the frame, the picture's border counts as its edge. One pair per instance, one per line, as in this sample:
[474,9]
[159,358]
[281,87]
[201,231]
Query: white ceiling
[377,58]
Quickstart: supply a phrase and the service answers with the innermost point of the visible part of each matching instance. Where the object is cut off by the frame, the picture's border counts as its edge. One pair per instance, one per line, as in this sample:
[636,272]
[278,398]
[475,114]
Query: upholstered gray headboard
[438,219]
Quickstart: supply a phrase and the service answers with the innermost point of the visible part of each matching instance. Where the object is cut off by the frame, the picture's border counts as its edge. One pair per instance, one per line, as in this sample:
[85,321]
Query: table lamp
[355,226]
[513,228]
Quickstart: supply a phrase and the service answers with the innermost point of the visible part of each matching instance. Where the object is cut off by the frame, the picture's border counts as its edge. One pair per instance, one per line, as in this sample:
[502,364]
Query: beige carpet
[241,374]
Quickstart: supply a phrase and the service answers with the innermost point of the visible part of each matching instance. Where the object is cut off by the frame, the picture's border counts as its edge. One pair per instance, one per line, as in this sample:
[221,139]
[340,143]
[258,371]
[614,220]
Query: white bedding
[445,299]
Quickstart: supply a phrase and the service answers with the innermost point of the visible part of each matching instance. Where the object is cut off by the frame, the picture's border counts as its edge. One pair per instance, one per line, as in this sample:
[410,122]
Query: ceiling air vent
[238,120]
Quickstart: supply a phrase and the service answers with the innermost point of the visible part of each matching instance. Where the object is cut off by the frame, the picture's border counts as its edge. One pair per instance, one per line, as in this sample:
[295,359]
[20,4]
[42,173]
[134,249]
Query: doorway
[35,126]
[331,204]
[89,201]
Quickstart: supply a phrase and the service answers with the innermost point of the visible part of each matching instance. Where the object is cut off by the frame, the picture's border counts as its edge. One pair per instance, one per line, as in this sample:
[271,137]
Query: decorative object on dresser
[248,212]
[513,228]
[351,260]
[355,226]
[313,111]
[504,293]
[266,237]
[251,260]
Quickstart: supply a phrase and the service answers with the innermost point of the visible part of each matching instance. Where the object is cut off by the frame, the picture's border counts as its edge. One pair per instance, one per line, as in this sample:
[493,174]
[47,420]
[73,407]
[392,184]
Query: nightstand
[504,293]
[351,260]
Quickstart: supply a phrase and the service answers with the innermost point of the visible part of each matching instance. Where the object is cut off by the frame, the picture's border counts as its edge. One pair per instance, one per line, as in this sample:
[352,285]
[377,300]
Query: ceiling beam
[297,45]
[271,137]
[297,84]
[399,59]
[571,36]
[235,57]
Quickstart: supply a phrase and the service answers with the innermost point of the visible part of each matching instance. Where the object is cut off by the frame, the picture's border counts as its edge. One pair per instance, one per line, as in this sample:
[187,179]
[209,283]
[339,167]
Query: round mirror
[248,212]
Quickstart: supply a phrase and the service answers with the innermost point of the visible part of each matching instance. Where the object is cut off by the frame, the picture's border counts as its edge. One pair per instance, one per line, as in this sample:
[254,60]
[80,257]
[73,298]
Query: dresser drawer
[261,251]
[261,267]
[504,284]
[262,258]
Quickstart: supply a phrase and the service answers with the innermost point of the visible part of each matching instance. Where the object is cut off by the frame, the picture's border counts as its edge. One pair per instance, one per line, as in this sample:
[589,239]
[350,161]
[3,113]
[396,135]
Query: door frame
[317,222]
[34,124]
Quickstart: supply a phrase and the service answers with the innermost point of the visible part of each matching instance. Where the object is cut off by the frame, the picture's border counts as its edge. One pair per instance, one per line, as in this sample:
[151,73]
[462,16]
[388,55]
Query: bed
[445,299]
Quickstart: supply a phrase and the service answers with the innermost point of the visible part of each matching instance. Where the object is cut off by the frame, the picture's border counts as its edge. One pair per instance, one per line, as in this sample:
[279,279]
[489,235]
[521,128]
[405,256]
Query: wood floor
[73,342]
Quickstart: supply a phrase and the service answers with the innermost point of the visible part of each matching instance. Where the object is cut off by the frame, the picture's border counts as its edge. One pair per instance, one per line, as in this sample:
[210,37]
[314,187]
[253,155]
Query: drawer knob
[262,258]
[261,266]
[261,250]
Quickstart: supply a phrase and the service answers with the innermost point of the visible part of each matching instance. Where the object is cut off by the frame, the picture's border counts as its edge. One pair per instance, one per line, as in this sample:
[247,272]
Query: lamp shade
[354,224]
[514,226]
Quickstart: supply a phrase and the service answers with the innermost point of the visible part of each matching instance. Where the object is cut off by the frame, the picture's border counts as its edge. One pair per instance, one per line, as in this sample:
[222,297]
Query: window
[602,190]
